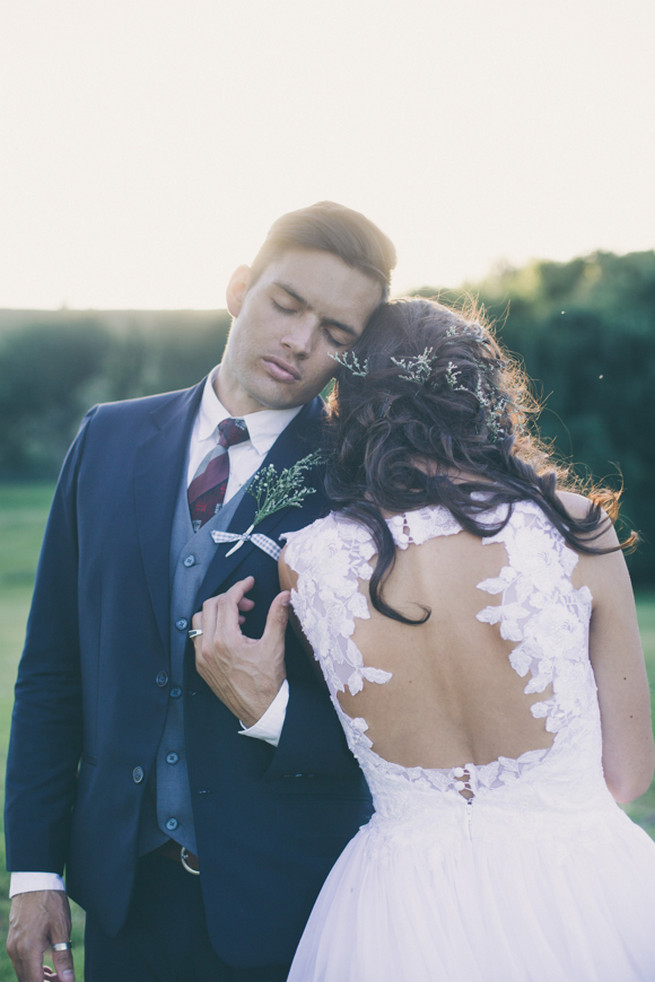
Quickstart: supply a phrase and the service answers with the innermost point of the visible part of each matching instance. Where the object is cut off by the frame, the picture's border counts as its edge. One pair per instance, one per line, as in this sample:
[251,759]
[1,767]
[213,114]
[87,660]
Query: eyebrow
[331,321]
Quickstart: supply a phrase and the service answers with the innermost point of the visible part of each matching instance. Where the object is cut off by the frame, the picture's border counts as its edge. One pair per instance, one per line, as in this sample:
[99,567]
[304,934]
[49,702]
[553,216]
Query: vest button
[176,692]
[172,824]
[172,757]
[138,775]
[161,679]
[181,623]
[189,561]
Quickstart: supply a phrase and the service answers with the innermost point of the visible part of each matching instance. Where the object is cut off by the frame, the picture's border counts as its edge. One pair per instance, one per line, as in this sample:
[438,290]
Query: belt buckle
[184,854]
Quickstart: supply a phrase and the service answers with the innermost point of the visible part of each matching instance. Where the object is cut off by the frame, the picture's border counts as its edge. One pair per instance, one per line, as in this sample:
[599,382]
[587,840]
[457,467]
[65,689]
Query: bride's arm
[618,663]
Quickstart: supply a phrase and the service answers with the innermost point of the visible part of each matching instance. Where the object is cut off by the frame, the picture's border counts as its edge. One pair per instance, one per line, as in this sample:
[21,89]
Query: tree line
[584,329]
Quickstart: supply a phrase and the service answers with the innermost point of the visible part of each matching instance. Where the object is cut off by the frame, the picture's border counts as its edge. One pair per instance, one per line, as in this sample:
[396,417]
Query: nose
[299,335]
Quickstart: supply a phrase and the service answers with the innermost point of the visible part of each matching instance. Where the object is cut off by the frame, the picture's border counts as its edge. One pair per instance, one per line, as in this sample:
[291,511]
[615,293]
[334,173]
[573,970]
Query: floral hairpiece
[474,332]
[418,367]
[350,361]
[495,408]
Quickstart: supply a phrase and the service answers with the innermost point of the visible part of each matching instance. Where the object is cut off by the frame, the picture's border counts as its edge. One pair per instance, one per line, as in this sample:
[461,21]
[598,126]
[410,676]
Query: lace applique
[420,525]
[539,610]
[328,599]
[331,556]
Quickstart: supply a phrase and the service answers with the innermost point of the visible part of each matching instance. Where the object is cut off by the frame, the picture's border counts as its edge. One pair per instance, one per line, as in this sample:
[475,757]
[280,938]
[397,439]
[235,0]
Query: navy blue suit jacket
[90,706]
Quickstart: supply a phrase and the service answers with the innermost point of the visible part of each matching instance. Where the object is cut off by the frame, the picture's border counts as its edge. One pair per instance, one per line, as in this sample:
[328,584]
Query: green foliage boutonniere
[273,492]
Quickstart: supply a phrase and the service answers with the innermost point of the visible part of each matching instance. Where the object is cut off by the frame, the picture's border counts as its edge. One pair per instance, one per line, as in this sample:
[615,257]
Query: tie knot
[231,431]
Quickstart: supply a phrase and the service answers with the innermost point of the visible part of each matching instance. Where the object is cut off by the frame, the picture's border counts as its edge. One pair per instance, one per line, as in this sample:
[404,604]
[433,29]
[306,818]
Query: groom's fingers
[223,612]
[245,673]
[229,605]
[221,616]
[63,965]
[276,621]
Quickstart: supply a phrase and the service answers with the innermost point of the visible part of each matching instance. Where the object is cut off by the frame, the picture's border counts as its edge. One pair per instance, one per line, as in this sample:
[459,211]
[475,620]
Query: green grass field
[23,513]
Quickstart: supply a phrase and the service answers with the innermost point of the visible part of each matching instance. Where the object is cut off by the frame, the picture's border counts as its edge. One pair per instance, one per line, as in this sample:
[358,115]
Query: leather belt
[179,854]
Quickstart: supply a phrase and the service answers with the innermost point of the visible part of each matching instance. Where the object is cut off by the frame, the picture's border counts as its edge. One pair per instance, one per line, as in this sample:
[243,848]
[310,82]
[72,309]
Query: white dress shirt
[264,427]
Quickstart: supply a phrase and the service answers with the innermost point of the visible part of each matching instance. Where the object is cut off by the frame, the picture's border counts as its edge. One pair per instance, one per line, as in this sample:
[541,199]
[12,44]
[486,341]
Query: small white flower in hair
[418,368]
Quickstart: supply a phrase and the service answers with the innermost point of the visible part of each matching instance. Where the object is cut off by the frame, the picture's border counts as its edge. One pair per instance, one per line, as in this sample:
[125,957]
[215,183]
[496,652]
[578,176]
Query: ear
[237,289]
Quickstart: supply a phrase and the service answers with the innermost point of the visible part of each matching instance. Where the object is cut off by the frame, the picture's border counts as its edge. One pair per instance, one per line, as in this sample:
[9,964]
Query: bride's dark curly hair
[427,409]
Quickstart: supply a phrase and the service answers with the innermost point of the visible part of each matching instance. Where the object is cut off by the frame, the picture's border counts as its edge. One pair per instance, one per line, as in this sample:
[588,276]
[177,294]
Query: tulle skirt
[562,907]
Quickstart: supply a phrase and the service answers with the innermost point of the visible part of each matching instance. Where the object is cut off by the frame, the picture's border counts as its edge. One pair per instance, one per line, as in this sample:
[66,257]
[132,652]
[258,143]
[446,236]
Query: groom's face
[304,306]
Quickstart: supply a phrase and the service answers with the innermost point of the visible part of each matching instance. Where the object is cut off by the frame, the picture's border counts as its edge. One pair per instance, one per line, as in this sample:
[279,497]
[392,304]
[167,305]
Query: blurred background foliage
[585,331]
[55,366]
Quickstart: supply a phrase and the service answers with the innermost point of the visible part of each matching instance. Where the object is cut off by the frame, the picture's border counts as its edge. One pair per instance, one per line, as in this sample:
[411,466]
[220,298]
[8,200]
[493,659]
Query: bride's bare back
[453,697]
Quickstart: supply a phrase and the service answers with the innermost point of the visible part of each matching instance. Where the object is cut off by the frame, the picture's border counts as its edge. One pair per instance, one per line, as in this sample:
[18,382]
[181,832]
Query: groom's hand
[37,920]
[244,673]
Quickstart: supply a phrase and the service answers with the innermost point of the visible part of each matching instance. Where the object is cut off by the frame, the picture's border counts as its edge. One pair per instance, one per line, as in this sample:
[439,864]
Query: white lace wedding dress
[536,875]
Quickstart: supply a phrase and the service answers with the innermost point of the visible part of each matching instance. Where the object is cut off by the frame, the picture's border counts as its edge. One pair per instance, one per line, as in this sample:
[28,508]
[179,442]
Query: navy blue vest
[169,813]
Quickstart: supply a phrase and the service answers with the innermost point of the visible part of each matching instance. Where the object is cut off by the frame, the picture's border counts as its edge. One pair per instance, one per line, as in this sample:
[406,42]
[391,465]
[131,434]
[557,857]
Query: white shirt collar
[264,426]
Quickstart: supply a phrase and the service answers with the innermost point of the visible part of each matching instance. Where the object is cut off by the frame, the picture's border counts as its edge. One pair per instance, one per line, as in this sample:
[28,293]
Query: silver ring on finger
[62,946]
[194,632]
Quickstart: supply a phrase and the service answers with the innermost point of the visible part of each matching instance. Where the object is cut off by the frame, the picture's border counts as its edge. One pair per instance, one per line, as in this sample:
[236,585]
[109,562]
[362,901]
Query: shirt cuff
[28,882]
[269,726]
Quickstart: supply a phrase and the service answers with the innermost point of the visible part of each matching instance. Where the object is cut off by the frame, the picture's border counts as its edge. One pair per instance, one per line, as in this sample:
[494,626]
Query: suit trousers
[165,936]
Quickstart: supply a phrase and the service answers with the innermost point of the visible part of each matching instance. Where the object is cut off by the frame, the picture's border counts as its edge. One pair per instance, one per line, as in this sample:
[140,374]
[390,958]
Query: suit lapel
[158,473]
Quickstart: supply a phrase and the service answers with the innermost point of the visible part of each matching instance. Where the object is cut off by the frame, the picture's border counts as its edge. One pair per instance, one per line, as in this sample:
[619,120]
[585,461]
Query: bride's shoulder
[331,545]
[577,505]
[332,527]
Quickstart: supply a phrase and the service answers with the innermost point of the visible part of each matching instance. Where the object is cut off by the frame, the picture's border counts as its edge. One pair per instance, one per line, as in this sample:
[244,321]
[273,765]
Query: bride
[475,625]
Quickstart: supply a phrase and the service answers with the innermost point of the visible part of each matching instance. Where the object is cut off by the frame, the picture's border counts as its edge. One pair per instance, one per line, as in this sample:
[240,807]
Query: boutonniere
[272,492]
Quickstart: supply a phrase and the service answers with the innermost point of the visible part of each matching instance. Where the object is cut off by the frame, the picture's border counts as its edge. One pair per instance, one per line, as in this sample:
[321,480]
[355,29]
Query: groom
[196,801]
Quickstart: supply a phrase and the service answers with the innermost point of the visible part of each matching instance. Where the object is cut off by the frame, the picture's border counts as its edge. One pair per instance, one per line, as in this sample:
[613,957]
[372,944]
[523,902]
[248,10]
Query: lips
[281,370]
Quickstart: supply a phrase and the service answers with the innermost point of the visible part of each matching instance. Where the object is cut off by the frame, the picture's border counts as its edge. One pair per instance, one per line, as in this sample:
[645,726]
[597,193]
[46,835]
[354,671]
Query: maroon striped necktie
[207,489]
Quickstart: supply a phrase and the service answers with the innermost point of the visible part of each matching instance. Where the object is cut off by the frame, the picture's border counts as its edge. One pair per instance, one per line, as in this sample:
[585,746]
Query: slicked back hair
[333,228]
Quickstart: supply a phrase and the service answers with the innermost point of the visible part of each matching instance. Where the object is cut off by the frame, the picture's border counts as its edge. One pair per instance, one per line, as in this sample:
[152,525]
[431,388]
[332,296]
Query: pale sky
[147,145]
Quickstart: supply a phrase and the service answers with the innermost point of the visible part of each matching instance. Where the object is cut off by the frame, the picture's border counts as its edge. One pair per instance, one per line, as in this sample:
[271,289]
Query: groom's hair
[333,228]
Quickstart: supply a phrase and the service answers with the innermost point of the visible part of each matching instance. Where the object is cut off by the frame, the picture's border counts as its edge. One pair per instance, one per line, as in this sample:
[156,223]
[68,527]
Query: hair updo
[428,409]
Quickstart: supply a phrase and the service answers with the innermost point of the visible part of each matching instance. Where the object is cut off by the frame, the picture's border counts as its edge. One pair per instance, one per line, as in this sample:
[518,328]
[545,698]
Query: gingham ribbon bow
[261,541]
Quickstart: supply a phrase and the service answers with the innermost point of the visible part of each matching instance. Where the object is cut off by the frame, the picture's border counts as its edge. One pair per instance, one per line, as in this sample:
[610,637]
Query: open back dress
[521,868]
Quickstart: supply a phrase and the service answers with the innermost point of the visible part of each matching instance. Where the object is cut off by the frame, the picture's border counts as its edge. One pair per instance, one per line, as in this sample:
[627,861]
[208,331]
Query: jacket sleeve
[46,731]
[312,741]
